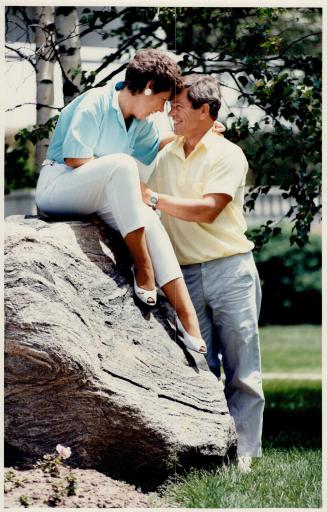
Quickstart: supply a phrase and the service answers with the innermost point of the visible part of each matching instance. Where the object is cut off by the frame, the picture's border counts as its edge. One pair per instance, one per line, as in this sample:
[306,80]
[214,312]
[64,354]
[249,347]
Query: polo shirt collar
[177,147]
[114,102]
[115,105]
[206,141]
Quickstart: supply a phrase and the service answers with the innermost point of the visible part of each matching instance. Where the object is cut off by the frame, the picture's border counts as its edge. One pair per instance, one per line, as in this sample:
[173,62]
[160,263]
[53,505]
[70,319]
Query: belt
[48,162]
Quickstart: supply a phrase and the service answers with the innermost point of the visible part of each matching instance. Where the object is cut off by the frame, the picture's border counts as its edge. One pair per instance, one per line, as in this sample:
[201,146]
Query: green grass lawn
[290,472]
[292,416]
[281,478]
[291,348]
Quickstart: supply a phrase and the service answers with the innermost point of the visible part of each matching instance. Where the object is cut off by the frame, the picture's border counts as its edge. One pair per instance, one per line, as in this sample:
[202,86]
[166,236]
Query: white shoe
[148,297]
[244,463]
[191,342]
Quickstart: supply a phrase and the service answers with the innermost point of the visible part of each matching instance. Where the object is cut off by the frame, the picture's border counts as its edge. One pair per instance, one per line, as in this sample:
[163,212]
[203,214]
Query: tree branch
[114,56]
[96,27]
[38,105]
[21,55]
[297,41]
[111,75]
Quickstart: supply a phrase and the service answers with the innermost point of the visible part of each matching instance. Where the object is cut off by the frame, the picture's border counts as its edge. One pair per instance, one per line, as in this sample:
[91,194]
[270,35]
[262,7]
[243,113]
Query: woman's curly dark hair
[155,66]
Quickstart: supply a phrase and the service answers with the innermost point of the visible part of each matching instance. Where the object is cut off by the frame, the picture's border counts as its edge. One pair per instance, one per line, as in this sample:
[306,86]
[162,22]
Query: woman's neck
[125,101]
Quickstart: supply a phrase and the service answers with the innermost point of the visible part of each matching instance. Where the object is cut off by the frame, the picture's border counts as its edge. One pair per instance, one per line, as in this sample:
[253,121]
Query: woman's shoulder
[146,126]
[97,97]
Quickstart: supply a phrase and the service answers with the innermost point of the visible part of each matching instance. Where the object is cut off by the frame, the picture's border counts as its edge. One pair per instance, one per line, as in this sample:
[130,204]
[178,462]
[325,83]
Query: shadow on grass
[293,416]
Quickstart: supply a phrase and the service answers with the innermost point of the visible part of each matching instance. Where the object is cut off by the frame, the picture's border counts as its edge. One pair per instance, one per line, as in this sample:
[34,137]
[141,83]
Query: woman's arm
[77,162]
[169,138]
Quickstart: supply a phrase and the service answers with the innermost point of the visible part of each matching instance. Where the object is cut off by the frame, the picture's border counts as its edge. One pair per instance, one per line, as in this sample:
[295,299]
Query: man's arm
[205,209]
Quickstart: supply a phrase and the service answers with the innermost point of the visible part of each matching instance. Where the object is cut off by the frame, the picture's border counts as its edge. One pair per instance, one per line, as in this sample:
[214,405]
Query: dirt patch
[74,488]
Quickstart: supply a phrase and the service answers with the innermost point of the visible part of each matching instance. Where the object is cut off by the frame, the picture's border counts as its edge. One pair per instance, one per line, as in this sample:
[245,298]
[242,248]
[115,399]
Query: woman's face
[146,105]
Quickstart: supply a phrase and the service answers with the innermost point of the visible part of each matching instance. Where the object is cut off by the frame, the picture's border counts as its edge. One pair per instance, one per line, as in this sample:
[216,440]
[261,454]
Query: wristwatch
[154,200]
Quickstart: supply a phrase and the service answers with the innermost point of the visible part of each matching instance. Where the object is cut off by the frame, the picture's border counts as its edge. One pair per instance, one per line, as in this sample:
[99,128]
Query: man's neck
[191,141]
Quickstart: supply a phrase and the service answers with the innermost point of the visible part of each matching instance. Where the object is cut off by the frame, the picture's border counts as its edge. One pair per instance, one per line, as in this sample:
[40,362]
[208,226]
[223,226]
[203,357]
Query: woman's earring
[147,92]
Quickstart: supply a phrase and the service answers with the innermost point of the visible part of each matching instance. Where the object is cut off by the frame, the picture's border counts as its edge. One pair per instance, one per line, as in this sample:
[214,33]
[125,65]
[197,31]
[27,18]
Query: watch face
[154,200]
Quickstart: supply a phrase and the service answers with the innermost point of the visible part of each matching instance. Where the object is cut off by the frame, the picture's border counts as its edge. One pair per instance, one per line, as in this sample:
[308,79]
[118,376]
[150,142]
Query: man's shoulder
[221,145]
[169,149]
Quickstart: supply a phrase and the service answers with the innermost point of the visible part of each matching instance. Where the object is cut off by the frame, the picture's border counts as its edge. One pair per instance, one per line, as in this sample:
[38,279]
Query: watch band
[154,200]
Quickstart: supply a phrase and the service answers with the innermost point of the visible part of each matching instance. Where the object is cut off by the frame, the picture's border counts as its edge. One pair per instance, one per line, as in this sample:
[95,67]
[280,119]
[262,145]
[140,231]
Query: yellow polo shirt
[216,165]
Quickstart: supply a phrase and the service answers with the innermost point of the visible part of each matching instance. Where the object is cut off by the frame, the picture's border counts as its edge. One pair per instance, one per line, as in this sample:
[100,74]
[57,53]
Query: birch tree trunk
[68,39]
[45,60]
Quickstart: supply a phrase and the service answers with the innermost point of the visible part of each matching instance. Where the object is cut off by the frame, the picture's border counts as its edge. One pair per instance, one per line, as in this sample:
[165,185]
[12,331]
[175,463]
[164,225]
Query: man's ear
[205,111]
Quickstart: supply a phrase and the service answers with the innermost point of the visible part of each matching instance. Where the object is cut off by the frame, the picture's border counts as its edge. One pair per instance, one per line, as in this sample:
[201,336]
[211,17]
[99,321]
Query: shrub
[19,166]
[291,281]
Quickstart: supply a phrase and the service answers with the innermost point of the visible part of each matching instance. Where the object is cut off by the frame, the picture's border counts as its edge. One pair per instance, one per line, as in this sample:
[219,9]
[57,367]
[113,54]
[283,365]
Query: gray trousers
[226,294]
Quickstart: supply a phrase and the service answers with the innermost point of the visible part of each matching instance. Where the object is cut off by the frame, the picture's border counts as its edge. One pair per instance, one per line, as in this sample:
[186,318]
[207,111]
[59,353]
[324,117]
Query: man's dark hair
[155,66]
[203,89]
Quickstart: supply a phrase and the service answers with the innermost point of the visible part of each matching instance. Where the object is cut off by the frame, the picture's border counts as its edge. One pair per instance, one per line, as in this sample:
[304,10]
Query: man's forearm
[192,210]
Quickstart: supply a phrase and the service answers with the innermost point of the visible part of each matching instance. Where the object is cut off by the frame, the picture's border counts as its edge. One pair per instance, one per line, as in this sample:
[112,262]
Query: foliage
[11,480]
[291,281]
[273,57]
[51,464]
[19,168]
[19,156]
[24,501]
[270,56]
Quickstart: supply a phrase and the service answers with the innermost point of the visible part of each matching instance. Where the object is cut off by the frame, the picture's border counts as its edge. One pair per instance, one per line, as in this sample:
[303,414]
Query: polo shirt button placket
[182,174]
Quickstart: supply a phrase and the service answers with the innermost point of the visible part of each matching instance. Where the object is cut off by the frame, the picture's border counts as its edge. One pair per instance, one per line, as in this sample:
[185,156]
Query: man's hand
[218,128]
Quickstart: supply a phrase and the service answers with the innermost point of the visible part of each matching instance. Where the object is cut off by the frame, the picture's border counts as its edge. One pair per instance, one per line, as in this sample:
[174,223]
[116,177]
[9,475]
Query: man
[198,185]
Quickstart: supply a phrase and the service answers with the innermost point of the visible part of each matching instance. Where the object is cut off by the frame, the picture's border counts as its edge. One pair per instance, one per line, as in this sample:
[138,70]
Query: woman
[90,169]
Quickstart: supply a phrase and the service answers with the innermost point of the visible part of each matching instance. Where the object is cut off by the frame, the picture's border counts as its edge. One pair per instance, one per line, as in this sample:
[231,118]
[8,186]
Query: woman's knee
[120,162]
[152,220]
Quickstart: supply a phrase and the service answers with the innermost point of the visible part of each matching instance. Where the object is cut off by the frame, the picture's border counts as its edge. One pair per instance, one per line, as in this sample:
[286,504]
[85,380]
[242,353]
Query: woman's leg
[168,273]
[143,270]
[105,185]
[178,296]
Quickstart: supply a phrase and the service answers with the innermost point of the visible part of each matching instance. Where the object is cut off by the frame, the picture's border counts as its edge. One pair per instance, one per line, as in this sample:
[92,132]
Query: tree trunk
[68,40]
[44,74]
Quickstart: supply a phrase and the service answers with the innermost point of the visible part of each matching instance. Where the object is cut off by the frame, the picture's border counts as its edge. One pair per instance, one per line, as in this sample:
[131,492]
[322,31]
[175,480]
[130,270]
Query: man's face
[186,119]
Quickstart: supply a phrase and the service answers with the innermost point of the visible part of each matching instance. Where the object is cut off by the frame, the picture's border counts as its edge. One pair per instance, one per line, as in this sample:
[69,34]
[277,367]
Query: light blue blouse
[93,125]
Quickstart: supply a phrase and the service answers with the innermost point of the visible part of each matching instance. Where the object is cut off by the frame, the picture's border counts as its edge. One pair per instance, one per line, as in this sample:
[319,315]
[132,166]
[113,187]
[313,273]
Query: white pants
[110,187]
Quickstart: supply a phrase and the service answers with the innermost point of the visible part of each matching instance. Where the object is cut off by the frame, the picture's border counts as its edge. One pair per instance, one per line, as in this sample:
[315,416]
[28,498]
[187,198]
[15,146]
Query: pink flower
[64,451]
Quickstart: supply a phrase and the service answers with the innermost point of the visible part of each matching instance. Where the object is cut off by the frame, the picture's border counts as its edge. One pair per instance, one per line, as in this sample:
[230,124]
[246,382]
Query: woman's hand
[77,162]
[146,193]
[218,128]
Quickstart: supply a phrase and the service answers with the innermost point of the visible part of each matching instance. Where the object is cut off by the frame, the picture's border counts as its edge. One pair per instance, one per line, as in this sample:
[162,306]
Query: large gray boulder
[85,367]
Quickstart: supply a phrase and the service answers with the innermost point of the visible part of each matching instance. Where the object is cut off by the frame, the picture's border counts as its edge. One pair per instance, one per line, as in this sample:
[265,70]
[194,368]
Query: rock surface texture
[85,367]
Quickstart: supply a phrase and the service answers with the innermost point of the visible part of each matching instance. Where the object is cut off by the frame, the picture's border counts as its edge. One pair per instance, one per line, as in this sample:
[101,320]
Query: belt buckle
[48,162]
